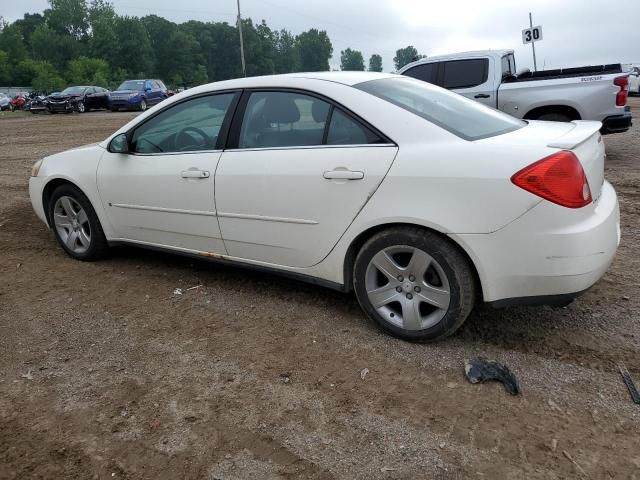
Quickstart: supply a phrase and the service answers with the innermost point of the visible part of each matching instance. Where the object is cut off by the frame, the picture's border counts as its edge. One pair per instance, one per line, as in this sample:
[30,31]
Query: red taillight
[621,96]
[558,178]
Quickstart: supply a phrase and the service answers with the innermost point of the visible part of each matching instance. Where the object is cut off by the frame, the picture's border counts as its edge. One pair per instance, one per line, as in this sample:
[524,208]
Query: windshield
[457,114]
[132,85]
[73,90]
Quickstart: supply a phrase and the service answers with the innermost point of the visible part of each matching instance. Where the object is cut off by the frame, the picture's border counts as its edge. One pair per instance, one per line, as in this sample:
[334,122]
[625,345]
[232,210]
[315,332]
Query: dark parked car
[138,94]
[80,99]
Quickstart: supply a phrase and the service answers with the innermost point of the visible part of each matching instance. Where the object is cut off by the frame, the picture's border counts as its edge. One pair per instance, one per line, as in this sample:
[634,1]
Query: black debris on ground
[479,370]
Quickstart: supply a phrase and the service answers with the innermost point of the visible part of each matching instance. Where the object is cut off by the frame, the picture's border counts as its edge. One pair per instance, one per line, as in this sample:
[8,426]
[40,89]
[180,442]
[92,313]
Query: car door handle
[482,95]
[195,173]
[343,175]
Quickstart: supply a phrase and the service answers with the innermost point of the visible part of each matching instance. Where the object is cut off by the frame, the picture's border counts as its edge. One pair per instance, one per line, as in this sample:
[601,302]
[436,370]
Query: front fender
[78,167]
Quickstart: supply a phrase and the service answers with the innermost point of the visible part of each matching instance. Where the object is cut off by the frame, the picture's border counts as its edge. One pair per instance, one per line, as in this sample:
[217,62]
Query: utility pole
[244,69]
[533,42]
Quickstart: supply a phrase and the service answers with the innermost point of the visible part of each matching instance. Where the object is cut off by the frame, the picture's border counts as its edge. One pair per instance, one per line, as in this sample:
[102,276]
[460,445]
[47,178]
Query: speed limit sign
[533,34]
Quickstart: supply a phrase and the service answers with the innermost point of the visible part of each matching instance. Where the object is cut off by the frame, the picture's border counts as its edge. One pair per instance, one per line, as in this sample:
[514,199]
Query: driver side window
[189,126]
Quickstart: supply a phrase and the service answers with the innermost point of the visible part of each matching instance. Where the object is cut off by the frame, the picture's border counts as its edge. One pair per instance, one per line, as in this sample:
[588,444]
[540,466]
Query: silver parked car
[4,102]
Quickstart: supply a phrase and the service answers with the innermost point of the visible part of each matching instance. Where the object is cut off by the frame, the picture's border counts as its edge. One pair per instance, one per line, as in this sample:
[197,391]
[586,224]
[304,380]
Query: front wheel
[414,283]
[81,107]
[76,225]
[143,105]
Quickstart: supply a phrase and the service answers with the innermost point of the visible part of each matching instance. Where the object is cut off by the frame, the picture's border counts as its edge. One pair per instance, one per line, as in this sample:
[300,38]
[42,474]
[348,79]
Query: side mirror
[119,144]
[147,89]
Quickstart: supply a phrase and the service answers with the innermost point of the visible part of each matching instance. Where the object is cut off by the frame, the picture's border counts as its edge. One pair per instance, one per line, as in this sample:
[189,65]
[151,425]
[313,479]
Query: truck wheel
[553,117]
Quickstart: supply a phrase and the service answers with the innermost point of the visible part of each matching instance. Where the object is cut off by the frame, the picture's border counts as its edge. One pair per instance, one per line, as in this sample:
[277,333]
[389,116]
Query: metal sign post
[244,70]
[532,35]
[533,43]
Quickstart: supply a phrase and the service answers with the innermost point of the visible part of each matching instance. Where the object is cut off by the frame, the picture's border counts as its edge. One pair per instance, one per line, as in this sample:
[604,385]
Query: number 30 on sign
[532,34]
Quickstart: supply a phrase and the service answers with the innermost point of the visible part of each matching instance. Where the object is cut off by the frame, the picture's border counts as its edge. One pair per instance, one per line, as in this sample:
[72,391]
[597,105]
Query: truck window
[465,73]
[425,72]
[508,65]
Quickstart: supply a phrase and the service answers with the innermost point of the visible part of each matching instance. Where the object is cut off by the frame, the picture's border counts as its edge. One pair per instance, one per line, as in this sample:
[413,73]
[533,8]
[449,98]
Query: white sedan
[421,201]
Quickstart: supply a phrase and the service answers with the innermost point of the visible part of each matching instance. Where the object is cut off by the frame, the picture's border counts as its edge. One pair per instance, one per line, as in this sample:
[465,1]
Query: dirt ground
[105,373]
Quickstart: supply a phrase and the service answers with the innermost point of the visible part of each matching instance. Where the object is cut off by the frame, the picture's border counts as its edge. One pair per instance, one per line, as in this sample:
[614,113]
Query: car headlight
[132,95]
[36,167]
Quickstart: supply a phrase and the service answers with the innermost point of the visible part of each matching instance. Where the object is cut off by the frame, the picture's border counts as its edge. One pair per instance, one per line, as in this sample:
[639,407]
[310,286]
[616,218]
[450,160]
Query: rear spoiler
[582,130]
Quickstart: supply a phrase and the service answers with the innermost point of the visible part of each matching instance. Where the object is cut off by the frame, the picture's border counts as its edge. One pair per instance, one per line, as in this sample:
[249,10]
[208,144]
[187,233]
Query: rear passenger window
[343,130]
[425,72]
[283,119]
[465,73]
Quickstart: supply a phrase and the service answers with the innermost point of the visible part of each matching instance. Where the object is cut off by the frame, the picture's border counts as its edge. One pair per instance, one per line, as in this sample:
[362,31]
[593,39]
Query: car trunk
[581,137]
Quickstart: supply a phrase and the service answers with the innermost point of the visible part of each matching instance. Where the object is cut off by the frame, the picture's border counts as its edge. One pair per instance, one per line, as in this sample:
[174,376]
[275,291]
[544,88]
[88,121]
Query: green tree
[40,74]
[181,58]
[351,60]
[12,43]
[315,49]
[69,17]
[83,71]
[287,55]
[6,70]
[375,63]
[103,42]
[200,76]
[406,55]
[161,33]
[28,25]
[54,47]
[133,51]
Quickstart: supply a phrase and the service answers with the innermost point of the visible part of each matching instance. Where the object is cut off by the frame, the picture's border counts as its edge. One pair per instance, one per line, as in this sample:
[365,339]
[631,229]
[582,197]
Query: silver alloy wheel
[143,105]
[407,287]
[81,107]
[72,224]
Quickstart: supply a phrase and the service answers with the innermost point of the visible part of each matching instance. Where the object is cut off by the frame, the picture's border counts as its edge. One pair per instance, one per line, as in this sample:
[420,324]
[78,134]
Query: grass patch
[17,114]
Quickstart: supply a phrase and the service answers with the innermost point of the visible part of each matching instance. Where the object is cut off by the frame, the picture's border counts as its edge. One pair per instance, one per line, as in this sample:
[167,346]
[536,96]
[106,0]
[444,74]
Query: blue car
[138,95]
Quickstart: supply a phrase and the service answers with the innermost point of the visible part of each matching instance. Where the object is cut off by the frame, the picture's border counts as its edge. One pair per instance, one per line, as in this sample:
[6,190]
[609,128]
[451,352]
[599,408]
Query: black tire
[454,265]
[98,244]
[81,107]
[143,105]
[554,117]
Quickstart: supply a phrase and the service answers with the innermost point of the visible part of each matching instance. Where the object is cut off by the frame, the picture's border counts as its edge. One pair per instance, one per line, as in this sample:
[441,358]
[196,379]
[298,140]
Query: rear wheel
[76,225]
[415,284]
[554,117]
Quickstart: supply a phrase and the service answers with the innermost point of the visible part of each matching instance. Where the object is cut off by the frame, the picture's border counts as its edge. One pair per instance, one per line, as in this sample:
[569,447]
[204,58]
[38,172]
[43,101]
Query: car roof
[344,78]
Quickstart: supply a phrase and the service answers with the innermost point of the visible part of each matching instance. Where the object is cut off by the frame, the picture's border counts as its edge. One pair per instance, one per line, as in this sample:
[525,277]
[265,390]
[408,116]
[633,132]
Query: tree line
[80,42]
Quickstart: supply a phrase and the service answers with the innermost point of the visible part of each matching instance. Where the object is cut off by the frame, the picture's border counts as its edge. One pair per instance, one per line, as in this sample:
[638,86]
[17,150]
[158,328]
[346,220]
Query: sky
[575,32]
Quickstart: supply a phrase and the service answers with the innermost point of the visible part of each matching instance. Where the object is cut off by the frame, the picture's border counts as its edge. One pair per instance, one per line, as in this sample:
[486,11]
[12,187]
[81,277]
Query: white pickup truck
[583,93]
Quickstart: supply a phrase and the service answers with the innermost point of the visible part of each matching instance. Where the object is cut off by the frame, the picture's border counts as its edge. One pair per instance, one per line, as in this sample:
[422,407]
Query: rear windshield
[457,114]
[132,85]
